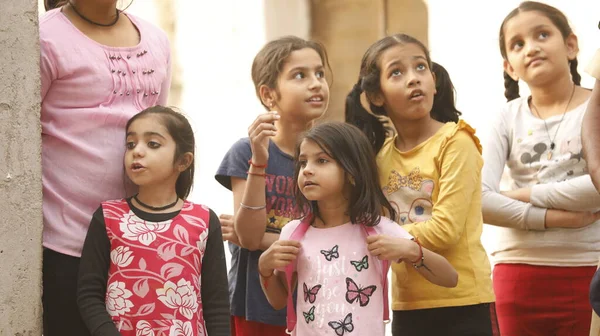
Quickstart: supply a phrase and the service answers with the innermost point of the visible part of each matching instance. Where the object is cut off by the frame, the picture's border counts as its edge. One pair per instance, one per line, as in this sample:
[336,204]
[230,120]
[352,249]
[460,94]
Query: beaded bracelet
[421,255]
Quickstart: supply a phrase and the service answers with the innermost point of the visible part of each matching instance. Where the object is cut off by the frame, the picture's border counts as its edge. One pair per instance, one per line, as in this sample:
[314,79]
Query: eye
[421,67]
[299,75]
[302,163]
[395,73]
[543,35]
[130,145]
[320,74]
[517,45]
[153,144]
[323,160]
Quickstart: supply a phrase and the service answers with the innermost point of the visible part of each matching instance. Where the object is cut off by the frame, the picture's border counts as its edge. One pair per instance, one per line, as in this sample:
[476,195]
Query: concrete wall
[20,170]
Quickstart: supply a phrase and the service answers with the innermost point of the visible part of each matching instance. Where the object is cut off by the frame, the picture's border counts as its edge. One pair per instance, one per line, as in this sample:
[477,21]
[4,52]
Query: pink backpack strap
[297,235]
[385,266]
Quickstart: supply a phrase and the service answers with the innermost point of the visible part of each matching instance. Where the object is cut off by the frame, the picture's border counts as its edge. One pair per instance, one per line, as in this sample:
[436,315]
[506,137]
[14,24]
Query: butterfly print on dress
[361,264]
[354,293]
[310,295]
[331,254]
[343,326]
[310,316]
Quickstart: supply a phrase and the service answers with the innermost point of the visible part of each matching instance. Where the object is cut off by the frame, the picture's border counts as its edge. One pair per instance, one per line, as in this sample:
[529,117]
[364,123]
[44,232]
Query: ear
[268,96]
[375,99]
[434,82]
[510,70]
[572,46]
[185,161]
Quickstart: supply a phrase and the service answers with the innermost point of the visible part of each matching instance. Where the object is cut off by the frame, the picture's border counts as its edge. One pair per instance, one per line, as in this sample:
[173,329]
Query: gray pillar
[20,170]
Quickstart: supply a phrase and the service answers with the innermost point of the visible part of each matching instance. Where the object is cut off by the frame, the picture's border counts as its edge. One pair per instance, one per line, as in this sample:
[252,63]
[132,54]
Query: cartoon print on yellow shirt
[410,196]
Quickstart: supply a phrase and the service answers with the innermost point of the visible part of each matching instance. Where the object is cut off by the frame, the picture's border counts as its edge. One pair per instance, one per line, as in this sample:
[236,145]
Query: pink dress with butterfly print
[339,281]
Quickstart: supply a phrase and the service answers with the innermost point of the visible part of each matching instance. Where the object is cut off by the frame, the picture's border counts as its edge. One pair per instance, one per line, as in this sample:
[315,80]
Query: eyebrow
[148,134]
[538,27]
[397,62]
[304,68]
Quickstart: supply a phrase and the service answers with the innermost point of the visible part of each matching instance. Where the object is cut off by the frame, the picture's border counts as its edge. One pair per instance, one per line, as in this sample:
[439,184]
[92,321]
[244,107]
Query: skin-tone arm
[280,254]
[436,269]
[591,135]
[230,235]
[250,224]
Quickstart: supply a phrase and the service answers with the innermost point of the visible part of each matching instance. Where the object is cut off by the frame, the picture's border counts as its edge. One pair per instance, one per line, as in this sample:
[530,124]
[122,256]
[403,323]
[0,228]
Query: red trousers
[241,327]
[543,300]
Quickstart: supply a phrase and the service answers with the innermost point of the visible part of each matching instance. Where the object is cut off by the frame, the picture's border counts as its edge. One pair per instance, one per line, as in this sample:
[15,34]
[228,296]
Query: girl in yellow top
[431,172]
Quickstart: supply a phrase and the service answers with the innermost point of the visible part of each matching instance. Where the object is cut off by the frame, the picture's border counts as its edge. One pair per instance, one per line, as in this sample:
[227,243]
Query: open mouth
[416,94]
[315,99]
[136,166]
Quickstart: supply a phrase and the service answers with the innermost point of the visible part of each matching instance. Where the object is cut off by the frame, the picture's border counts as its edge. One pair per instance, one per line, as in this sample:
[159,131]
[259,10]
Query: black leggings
[475,320]
[59,298]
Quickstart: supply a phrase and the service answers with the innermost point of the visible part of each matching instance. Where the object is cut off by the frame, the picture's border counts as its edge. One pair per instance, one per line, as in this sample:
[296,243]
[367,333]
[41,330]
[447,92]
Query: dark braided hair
[558,19]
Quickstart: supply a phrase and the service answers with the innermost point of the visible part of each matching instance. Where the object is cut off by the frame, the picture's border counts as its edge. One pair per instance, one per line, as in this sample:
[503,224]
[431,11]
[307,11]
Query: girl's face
[150,153]
[536,50]
[320,178]
[303,93]
[407,83]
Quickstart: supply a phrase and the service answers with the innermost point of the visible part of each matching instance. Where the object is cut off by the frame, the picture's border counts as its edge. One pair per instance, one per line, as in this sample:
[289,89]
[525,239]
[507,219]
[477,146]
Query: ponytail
[574,74]
[357,115]
[511,87]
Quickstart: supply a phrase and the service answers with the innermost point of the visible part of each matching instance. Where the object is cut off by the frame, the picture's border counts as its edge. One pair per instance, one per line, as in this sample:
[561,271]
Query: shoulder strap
[385,266]
[297,235]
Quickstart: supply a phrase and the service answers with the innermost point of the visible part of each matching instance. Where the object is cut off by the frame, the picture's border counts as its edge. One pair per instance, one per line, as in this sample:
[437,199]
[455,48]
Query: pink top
[89,91]
[339,281]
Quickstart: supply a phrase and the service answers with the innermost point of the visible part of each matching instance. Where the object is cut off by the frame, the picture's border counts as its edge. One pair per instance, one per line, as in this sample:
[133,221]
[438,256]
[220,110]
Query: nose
[532,49]
[307,170]
[139,151]
[413,79]
[315,83]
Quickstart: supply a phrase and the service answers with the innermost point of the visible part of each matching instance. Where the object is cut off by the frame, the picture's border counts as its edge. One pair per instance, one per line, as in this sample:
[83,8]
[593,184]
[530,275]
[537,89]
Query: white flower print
[116,299]
[121,256]
[143,328]
[180,328]
[136,229]
[181,296]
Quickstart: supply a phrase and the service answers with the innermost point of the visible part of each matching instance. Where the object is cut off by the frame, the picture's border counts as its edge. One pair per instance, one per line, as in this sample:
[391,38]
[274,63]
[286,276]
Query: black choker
[153,207]
[92,22]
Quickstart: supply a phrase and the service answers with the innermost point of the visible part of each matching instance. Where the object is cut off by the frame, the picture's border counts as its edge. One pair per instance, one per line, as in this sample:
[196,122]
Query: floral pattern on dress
[154,283]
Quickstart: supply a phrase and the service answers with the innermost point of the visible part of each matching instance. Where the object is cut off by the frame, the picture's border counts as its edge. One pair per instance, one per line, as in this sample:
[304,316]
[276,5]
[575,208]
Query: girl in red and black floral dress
[154,264]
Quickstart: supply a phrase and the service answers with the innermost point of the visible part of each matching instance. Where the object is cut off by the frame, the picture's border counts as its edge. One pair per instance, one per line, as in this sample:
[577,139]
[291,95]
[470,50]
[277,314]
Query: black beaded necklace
[165,207]
[93,22]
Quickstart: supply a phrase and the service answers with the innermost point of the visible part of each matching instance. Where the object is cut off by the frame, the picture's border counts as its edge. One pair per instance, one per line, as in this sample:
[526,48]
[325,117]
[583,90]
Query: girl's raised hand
[279,255]
[259,133]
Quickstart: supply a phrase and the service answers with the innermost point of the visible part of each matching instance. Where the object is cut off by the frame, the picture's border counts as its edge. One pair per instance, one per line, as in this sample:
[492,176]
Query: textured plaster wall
[20,170]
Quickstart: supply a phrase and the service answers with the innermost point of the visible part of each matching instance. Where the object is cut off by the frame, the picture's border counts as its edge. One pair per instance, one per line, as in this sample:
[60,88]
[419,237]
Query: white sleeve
[577,194]
[498,209]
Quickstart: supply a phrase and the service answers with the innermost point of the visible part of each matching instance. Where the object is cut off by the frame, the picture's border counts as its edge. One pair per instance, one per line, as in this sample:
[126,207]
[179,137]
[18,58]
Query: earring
[351,180]
[270,105]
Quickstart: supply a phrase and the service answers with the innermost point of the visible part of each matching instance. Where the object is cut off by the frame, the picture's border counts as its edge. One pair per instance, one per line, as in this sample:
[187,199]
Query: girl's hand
[279,255]
[259,132]
[392,248]
[228,230]
[522,194]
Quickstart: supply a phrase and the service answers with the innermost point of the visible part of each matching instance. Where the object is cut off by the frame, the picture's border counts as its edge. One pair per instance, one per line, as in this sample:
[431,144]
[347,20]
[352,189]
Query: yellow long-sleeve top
[436,189]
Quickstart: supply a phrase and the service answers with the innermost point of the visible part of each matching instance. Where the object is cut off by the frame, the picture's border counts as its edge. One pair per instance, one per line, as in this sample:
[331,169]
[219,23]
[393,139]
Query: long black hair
[350,148]
[443,108]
